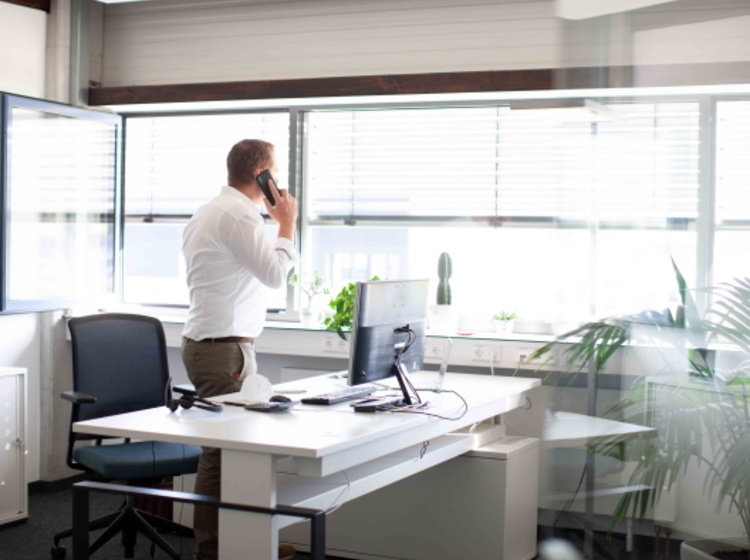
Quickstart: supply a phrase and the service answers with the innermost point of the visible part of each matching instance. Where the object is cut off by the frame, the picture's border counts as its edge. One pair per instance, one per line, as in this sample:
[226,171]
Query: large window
[173,165]
[732,250]
[556,218]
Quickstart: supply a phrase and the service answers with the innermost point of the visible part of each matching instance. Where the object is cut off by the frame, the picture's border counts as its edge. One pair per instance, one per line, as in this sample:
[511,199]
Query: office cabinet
[482,504]
[13,487]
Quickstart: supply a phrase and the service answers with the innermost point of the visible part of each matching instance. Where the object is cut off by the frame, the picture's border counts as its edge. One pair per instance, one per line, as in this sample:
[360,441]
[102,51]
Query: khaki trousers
[215,368]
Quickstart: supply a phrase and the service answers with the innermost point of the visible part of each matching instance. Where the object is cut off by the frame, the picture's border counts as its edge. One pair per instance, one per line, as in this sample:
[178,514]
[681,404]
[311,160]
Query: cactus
[445,269]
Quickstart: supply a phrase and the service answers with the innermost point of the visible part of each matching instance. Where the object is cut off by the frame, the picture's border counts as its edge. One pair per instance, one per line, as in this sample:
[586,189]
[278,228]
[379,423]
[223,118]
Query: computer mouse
[280,398]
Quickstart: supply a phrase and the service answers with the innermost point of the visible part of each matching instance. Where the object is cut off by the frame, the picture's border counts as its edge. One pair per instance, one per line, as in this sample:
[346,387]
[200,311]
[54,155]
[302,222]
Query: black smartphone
[264,180]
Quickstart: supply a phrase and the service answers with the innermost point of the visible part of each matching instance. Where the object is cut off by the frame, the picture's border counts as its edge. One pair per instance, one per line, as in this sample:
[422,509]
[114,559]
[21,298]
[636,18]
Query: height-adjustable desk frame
[319,457]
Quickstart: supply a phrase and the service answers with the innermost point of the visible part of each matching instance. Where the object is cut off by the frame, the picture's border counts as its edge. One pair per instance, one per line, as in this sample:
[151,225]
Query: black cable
[407,382]
[569,503]
[407,410]
[400,371]
[423,451]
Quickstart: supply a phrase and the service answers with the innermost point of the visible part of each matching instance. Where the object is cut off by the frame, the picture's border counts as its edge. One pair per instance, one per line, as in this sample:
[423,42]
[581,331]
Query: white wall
[22,67]
[722,40]
[188,41]
[193,41]
[22,49]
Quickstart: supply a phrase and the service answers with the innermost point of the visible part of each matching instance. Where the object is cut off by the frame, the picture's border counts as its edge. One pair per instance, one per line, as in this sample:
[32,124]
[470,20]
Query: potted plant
[343,310]
[504,321]
[311,285]
[443,317]
[699,410]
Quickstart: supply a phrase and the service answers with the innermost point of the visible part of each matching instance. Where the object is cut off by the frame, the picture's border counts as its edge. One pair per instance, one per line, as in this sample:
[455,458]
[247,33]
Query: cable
[406,385]
[423,451]
[415,410]
[572,497]
[527,406]
[493,355]
[341,498]
[518,366]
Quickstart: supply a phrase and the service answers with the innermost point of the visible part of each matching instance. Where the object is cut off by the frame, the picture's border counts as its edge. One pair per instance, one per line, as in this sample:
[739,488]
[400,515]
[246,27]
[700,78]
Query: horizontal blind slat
[488,161]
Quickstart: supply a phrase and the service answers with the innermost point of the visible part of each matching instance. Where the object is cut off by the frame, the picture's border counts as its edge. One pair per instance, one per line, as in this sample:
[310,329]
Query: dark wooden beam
[449,82]
[455,82]
[36,4]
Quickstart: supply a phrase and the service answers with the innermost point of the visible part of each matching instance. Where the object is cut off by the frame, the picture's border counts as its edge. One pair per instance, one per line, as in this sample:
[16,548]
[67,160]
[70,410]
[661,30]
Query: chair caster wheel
[58,552]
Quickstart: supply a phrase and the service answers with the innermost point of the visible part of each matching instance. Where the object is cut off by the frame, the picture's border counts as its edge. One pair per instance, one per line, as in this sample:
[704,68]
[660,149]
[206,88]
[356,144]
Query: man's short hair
[245,157]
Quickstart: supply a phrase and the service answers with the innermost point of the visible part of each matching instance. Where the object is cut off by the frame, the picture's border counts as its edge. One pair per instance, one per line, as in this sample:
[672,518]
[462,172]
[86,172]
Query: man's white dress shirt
[231,266]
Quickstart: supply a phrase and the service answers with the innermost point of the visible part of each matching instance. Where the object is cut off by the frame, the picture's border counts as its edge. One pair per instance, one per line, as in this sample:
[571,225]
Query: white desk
[317,456]
[565,429]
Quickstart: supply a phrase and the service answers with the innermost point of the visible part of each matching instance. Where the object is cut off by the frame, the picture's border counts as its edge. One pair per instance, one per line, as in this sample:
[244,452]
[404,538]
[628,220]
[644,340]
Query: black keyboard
[348,394]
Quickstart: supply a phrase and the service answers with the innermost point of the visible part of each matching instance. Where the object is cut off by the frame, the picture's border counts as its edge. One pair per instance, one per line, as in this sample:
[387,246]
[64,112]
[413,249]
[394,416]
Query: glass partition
[60,205]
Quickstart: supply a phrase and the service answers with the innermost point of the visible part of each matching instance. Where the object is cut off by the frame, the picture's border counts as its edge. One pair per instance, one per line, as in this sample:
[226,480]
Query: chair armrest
[78,398]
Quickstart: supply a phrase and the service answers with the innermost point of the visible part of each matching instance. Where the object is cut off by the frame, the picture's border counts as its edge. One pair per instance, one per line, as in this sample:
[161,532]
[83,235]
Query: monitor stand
[405,384]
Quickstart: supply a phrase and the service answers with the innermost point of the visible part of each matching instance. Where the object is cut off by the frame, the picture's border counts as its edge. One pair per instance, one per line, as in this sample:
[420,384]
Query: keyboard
[347,394]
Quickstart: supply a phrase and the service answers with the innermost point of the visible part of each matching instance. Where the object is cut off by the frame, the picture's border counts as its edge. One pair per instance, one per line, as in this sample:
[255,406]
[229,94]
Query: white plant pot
[442,319]
[310,318]
[504,327]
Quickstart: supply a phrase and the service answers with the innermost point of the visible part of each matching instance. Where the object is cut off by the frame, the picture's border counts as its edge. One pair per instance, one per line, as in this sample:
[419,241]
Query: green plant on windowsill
[343,306]
[504,321]
[505,316]
[309,284]
[700,411]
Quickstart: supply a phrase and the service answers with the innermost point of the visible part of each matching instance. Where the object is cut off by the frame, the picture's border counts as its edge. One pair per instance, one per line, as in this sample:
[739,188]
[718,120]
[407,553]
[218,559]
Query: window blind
[489,163]
[174,164]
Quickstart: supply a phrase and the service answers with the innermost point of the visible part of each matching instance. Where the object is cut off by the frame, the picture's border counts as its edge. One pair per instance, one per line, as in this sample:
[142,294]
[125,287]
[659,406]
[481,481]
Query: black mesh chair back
[120,365]
[121,359]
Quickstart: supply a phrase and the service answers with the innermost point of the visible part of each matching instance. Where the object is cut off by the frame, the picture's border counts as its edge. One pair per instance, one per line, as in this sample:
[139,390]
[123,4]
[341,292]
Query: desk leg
[248,478]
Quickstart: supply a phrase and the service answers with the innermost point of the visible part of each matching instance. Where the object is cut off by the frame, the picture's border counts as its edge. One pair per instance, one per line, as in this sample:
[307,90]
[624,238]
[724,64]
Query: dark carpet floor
[50,512]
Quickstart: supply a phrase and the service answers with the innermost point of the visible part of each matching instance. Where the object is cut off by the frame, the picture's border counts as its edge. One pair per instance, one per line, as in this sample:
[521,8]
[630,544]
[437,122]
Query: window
[732,251]
[553,219]
[174,164]
[60,198]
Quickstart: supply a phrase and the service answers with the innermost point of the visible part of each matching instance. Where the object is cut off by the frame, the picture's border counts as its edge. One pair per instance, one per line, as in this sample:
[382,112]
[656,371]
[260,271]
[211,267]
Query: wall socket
[334,345]
[524,352]
[487,353]
[434,349]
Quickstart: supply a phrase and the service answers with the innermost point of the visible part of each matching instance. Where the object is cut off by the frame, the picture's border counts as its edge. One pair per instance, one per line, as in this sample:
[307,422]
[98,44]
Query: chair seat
[143,459]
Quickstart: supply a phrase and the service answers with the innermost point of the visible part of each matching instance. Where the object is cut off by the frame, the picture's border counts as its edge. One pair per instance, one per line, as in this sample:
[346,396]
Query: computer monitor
[388,332]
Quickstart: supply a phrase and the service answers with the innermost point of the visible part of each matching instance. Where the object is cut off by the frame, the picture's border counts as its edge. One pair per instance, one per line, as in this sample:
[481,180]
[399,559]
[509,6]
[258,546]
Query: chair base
[130,521]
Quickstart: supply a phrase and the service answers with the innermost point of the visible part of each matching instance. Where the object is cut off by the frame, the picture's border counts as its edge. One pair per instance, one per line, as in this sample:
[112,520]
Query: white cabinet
[13,487]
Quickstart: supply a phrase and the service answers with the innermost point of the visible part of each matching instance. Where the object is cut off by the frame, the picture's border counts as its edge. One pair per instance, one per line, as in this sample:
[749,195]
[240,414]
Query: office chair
[120,365]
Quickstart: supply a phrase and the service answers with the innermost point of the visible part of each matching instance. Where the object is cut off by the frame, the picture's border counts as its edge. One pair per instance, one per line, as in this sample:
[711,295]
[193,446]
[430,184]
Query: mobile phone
[264,180]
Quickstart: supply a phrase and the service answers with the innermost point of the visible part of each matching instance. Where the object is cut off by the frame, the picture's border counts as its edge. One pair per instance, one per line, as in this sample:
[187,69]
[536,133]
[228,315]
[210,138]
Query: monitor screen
[389,321]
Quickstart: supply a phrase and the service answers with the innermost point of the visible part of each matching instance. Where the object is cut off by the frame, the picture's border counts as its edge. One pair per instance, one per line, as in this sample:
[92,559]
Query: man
[231,266]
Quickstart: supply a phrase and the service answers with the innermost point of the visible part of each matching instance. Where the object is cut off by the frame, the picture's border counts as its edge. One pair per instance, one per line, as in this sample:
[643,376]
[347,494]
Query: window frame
[7,103]
[298,111]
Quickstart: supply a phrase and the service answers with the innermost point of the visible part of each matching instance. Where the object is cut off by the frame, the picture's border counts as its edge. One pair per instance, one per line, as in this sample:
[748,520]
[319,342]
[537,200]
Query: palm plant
[700,411]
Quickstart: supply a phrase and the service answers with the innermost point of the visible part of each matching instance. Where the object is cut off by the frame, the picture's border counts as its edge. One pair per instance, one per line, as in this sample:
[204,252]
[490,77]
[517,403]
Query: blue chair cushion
[143,459]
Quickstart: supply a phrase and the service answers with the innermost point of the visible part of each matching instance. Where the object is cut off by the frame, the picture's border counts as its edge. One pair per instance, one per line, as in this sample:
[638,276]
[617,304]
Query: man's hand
[285,211]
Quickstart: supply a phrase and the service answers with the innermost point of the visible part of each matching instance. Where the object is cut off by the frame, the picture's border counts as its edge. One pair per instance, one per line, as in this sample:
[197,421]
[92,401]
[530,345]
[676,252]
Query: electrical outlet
[523,354]
[434,350]
[334,345]
[486,353]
